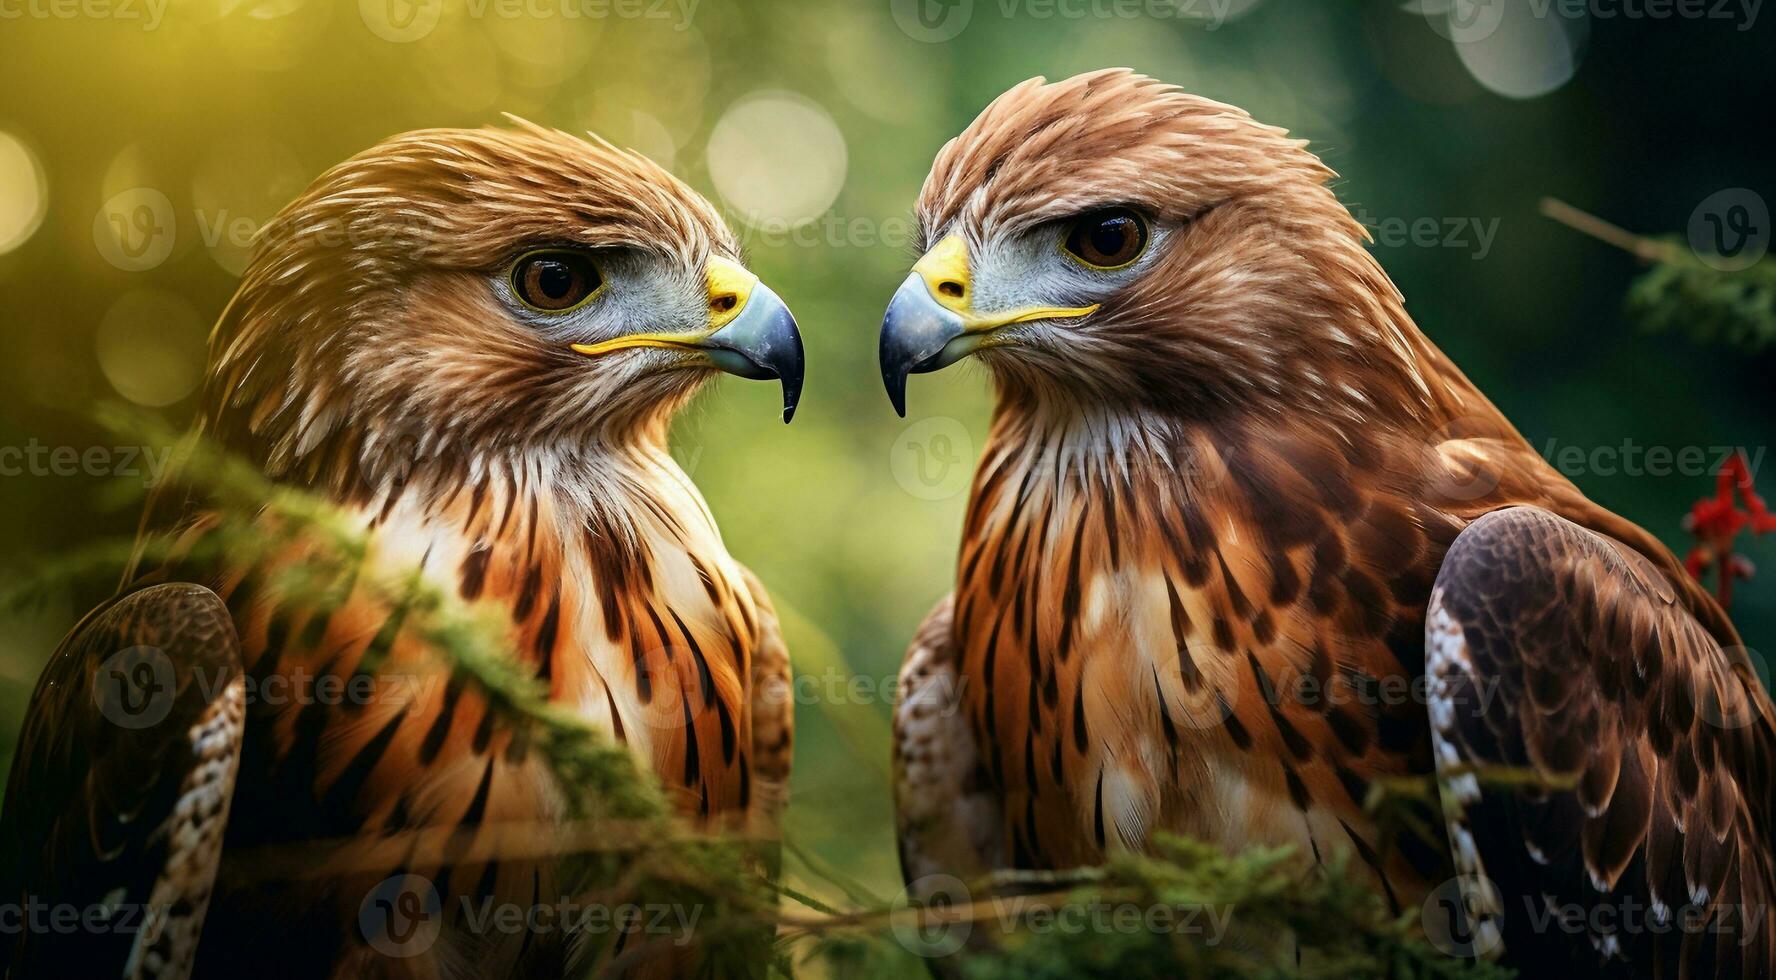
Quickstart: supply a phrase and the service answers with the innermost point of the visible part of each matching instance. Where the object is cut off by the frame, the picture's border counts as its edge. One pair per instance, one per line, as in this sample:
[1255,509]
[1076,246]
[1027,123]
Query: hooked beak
[931,322]
[750,333]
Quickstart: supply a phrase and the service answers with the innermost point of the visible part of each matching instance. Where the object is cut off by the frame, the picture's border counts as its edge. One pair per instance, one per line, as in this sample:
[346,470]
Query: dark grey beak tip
[914,332]
[788,367]
[792,384]
[895,382]
[763,343]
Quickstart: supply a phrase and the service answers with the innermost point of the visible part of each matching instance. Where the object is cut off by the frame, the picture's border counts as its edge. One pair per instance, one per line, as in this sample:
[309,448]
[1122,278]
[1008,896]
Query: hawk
[471,342]
[1243,542]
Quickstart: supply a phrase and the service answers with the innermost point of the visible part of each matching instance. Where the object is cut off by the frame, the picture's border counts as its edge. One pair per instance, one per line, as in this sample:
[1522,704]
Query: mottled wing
[1556,652]
[947,814]
[120,789]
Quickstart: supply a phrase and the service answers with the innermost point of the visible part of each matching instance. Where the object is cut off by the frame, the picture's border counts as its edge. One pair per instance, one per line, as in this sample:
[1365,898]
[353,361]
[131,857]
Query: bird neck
[1068,434]
[1043,466]
[602,482]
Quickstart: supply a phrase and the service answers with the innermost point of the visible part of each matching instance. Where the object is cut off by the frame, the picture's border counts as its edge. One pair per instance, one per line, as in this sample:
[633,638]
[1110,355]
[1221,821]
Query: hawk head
[459,294]
[1110,238]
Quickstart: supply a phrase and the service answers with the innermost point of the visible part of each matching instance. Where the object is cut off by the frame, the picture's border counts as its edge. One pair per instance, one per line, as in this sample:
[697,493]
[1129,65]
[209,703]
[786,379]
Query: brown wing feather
[1555,649]
[773,712]
[121,787]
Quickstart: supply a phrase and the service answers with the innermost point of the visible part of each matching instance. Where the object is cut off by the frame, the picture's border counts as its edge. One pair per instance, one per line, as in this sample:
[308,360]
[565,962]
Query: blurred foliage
[305,555]
[228,109]
[1700,292]
[1225,915]
[1710,305]
[1338,926]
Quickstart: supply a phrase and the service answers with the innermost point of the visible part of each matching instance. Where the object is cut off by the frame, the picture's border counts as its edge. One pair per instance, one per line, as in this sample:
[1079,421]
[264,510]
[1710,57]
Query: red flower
[1716,522]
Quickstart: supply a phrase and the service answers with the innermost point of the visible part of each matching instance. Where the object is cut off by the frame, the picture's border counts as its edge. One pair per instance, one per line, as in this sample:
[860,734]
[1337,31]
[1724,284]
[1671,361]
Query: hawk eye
[554,281]
[1108,239]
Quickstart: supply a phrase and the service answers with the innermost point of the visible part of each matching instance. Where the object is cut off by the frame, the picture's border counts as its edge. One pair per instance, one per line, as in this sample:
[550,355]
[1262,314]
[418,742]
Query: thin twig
[1585,223]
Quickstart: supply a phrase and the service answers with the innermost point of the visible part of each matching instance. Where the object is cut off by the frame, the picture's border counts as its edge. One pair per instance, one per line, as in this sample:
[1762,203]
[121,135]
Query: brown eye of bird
[554,281]
[1107,239]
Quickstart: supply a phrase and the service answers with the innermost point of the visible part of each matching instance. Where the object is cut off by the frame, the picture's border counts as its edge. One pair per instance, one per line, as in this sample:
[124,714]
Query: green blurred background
[139,149]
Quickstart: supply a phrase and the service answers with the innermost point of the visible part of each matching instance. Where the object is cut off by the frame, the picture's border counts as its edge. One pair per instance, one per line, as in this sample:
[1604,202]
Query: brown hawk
[1242,542]
[472,342]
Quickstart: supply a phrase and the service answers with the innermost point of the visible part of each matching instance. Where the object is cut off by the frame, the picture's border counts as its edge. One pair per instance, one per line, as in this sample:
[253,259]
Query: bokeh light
[241,183]
[542,52]
[650,137]
[270,35]
[460,67]
[151,346]
[24,192]
[1414,54]
[1520,48]
[882,80]
[777,156]
[627,80]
